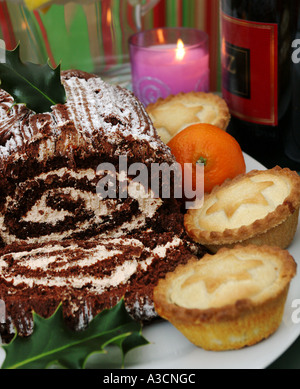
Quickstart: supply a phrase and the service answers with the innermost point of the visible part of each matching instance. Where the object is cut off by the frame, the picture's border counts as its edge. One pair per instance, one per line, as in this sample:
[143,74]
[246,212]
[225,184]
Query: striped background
[93,36]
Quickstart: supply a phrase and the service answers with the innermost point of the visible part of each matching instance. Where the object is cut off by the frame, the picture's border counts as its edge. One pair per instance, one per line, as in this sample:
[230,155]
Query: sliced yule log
[49,166]
[62,239]
[86,276]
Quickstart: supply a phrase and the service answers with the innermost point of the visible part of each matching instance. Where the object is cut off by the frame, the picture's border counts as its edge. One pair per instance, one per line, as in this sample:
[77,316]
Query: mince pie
[176,112]
[229,300]
[259,207]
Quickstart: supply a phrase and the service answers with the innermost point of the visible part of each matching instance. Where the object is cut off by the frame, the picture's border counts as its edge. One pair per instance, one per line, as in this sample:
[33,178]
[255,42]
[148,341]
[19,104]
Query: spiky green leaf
[37,86]
[52,342]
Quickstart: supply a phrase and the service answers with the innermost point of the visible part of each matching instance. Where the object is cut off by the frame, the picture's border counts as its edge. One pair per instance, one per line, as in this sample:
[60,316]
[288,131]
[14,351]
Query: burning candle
[167,61]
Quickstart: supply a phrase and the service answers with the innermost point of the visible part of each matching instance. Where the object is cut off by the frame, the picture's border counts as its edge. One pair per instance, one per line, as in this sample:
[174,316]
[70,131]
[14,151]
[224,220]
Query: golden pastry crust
[228,300]
[276,227]
[176,112]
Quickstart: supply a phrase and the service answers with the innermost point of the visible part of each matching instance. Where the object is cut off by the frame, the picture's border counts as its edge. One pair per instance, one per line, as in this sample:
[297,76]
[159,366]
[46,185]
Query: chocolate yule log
[76,226]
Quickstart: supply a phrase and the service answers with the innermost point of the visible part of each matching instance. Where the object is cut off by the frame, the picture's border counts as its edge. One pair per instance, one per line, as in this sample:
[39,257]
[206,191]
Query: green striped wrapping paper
[93,35]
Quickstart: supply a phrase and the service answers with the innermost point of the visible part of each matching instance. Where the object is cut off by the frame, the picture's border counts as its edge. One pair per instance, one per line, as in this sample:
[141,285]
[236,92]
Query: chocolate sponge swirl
[87,276]
[48,164]
[64,203]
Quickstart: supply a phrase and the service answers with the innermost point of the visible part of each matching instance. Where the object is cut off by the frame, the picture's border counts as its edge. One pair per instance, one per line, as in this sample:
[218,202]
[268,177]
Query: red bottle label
[250,69]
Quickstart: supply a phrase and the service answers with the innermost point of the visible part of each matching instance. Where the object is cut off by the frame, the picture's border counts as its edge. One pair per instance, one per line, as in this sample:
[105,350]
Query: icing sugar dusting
[93,106]
[13,127]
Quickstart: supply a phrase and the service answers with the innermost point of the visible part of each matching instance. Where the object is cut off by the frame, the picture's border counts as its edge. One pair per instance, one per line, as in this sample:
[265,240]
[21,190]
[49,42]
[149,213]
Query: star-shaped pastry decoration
[180,114]
[245,192]
[231,269]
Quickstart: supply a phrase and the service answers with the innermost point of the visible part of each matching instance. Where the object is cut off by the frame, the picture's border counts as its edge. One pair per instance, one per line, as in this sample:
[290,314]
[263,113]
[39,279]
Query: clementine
[219,151]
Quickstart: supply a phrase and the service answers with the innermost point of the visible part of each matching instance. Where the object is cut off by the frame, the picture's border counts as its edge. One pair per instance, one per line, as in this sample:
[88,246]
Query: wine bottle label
[250,69]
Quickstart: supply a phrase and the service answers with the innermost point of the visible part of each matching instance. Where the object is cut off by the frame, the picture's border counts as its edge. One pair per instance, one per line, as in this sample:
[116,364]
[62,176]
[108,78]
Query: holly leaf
[37,86]
[52,342]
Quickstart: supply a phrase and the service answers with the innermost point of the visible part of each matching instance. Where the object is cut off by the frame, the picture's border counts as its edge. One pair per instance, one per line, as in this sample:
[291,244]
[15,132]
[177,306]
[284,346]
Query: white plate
[169,349]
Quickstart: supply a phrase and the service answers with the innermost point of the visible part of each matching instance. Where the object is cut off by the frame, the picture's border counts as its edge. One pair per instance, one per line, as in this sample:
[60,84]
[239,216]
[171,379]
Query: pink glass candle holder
[167,61]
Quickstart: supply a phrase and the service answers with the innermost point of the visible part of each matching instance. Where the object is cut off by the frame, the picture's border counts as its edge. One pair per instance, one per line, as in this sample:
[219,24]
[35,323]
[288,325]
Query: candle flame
[180,51]
[108,16]
[160,36]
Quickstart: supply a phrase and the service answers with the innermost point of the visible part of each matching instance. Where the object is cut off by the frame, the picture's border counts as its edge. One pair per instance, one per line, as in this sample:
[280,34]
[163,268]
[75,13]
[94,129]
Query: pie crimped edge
[275,219]
[223,116]
[165,308]
[231,326]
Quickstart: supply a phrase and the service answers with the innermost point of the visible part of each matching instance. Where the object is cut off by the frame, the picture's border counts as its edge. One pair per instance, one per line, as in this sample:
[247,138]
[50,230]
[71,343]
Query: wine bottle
[258,76]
